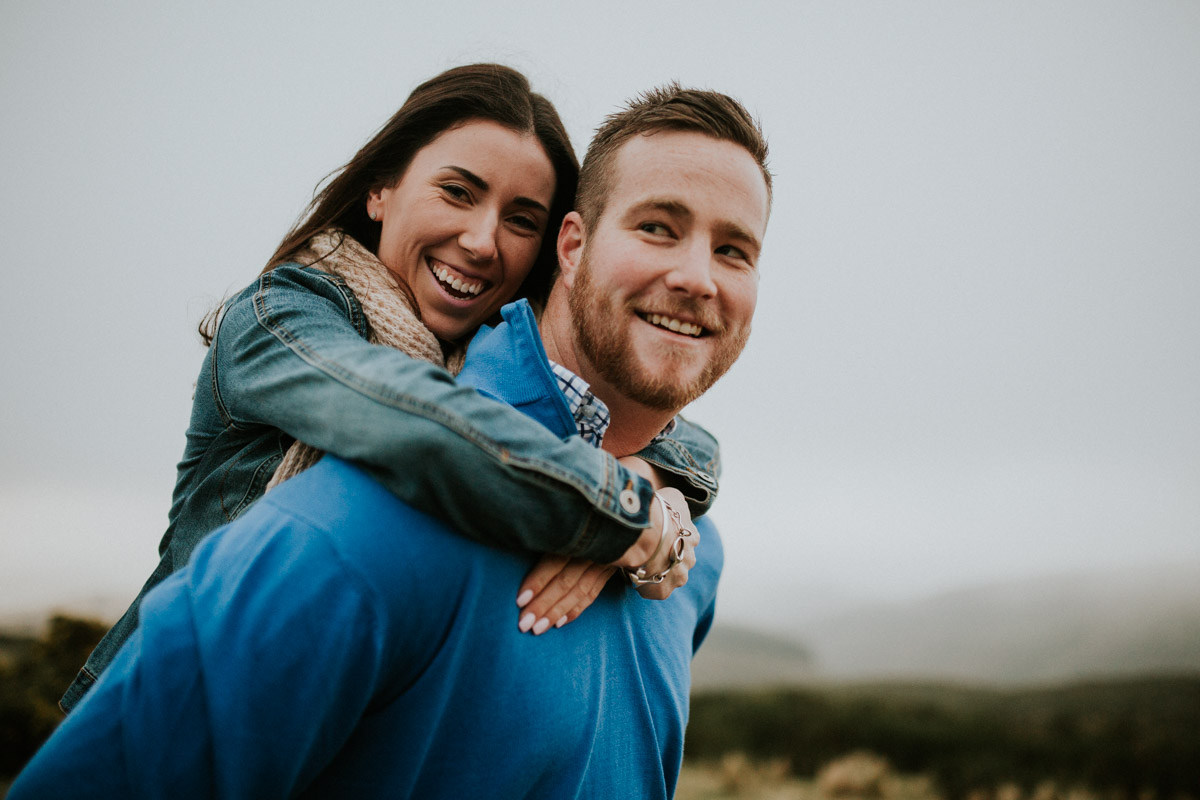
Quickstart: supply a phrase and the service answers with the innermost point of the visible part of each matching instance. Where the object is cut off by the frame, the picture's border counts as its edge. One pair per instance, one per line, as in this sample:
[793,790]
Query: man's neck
[633,425]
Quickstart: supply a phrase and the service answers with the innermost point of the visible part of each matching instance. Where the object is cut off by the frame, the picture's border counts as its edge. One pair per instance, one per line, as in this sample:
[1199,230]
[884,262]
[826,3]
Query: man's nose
[693,272]
[478,238]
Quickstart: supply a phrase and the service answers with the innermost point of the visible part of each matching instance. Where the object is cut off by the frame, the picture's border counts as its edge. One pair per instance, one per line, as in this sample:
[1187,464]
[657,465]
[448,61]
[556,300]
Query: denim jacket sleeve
[292,355]
[691,458]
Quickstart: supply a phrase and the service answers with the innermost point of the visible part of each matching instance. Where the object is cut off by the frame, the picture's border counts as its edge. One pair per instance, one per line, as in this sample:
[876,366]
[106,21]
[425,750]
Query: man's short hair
[666,108]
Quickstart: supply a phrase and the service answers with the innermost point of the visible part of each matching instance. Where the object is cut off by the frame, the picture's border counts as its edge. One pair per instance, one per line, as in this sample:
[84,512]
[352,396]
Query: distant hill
[1047,629]
[737,658]
[1134,621]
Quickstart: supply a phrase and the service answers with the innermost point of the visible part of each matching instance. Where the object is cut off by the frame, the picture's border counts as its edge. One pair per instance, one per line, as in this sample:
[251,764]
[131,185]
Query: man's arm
[248,672]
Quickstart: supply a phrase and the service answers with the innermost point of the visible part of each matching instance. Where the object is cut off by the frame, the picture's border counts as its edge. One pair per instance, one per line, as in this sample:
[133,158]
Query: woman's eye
[527,223]
[456,191]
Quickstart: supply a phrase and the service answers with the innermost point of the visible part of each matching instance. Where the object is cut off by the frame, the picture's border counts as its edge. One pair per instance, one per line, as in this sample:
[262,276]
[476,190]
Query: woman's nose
[479,237]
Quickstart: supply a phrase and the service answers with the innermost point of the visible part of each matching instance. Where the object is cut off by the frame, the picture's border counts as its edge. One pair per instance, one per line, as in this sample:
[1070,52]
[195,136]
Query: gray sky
[975,352]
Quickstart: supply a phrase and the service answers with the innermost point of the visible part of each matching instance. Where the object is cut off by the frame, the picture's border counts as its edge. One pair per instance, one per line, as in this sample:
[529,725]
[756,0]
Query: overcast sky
[975,355]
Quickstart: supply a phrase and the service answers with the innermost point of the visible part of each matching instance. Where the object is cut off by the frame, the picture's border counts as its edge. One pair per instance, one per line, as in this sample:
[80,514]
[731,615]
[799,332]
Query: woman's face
[464,224]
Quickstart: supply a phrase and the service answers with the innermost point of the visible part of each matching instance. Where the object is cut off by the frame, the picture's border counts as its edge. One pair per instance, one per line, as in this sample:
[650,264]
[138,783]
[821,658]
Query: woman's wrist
[646,544]
[655,570]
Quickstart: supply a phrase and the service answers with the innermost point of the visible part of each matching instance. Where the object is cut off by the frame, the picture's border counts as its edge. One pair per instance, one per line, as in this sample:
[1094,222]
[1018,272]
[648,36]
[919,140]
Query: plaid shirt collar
[591,415]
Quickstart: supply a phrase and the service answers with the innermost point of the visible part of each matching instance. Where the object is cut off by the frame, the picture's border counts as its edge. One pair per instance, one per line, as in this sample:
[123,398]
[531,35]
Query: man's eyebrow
[483,186]
[676,208]
[665,204]
[732,230]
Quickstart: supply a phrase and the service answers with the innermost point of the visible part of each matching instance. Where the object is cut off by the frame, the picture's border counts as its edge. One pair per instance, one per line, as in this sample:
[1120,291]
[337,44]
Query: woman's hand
[558,589]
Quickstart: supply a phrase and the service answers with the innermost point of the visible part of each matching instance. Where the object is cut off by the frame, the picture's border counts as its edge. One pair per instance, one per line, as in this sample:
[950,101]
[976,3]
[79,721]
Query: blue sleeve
[291,356]
[255,680]
[710,563]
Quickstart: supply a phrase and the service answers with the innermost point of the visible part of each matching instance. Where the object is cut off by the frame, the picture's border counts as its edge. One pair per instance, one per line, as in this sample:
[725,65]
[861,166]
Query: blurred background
[961,449]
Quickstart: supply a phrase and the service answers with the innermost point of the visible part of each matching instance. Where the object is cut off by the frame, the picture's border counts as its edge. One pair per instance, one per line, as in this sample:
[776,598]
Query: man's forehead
[677,171]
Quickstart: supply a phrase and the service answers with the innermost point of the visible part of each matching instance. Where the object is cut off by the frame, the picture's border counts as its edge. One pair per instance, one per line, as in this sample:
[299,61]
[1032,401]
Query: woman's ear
[571,239]
[374,205]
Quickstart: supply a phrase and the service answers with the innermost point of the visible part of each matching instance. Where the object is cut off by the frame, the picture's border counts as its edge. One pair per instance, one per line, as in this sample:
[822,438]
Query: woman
[445,215]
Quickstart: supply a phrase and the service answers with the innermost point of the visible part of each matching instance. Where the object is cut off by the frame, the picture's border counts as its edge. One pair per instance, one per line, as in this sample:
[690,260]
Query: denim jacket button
[705,478]
[630,501]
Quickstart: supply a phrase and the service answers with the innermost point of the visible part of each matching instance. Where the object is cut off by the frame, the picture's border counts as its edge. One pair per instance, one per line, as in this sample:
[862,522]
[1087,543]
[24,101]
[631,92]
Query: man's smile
[675,325]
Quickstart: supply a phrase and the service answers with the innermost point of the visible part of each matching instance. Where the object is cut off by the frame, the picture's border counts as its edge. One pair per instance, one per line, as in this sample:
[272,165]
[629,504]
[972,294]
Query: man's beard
[606,341]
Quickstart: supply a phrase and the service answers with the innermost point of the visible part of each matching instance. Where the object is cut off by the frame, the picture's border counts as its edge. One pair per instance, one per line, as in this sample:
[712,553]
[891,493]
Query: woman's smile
[454,282]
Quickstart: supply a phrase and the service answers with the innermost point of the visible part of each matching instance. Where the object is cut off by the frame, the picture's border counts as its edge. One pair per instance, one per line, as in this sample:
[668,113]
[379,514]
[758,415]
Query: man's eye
[655,228]
[732,252]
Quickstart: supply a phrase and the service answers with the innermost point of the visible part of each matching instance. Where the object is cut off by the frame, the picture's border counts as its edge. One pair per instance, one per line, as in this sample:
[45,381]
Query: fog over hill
[1058,628]
[1133,621]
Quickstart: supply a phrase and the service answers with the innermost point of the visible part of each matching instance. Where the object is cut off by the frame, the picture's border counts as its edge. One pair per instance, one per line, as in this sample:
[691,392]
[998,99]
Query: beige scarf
[390,317]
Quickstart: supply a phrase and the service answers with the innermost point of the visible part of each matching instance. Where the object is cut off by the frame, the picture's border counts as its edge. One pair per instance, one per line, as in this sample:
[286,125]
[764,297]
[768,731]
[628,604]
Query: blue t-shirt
[334,642]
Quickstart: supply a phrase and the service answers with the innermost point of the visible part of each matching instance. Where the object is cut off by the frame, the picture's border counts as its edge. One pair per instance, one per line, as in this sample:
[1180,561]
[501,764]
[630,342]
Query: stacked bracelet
[639,577]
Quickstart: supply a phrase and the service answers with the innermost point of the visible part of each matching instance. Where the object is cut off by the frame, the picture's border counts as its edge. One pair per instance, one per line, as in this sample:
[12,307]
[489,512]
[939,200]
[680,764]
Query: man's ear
[571,239]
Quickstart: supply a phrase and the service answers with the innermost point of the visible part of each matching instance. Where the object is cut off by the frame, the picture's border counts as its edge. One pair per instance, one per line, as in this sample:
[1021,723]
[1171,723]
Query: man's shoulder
[339,508]
[333,494]
[509,364]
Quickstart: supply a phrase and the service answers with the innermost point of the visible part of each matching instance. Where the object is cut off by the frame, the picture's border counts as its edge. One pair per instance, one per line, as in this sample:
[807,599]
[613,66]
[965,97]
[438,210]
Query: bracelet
[638,577]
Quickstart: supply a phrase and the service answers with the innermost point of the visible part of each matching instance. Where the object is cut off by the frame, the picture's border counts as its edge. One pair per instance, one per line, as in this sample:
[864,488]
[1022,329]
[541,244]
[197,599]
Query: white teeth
[456,283]
[671,324]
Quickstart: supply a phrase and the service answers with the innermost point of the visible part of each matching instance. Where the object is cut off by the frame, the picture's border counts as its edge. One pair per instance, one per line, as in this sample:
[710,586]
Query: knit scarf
[391,319]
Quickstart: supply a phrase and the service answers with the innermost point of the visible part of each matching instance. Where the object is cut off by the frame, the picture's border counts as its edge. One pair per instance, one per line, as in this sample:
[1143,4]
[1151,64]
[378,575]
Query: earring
[372,215]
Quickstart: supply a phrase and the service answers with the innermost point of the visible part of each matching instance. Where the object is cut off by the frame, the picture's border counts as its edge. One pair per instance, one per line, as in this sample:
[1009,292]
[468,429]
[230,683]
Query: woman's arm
[291,355]
[688,459]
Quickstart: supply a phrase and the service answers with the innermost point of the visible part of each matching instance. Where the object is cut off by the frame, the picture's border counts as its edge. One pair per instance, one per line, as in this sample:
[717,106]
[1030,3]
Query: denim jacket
[291,361]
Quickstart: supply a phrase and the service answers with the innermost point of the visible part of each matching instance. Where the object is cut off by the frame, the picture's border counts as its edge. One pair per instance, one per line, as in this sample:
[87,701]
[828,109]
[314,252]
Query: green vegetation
[34,672]
[1116,738]
[1134,738]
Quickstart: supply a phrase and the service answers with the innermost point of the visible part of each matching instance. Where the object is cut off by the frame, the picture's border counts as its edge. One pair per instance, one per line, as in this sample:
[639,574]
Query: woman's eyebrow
[483,186]
[470,176]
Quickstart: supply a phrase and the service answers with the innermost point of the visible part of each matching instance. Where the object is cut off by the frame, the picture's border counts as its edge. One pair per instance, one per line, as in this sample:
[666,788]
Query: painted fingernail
[526,622]
[541,626]
[561,621]
[524,597]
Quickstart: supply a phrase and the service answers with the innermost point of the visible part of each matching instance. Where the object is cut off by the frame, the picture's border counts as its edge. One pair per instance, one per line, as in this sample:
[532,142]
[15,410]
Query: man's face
[666,282]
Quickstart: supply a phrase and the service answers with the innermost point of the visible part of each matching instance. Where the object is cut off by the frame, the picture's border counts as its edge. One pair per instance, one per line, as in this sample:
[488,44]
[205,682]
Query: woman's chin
[453,327]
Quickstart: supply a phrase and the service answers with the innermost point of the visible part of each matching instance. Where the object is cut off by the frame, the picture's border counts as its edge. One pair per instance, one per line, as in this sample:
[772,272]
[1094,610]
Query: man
[333,642]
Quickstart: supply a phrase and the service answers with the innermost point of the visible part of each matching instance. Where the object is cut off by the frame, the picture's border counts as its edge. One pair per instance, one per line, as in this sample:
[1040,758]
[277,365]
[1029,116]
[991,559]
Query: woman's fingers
[542,573]
[584,593]
[558,589]
[549,590]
